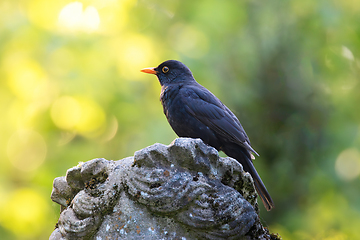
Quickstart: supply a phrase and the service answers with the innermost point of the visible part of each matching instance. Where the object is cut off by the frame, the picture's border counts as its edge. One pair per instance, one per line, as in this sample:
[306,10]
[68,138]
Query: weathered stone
[181,191]
[62,192]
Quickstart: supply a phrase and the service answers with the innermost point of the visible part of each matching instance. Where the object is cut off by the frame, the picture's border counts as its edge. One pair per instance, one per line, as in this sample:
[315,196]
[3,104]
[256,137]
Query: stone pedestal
[181,191]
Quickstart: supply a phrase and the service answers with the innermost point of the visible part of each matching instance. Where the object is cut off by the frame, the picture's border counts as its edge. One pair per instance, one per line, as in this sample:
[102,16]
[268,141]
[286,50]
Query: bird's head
[171,71]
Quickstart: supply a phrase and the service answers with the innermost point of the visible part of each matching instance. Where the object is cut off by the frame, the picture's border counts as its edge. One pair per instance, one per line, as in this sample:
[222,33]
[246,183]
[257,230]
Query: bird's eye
[165,69]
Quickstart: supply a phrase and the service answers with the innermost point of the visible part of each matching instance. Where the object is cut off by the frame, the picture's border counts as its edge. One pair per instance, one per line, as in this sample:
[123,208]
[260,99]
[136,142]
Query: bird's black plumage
[193,111]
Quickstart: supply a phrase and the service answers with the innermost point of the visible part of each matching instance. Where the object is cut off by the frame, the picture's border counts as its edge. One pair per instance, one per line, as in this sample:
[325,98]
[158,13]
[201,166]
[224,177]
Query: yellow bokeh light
[26,77]
[24,213]
[72,16]
[26,150]
[91,18]
[43,12]
[134,53]
[115,14]
[66,112]
[78,114]
[347,164]
[92,117]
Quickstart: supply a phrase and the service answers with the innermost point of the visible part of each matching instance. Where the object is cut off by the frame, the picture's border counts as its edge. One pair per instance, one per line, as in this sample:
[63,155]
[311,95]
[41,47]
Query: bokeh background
[71,91]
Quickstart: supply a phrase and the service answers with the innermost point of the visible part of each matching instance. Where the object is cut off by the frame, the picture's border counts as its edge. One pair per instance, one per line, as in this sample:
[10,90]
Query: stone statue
[181,191]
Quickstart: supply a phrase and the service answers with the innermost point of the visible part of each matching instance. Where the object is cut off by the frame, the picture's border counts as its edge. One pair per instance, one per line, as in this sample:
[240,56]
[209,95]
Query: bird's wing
[208,109]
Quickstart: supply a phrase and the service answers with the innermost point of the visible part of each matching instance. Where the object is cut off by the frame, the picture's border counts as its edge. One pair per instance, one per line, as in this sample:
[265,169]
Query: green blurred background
[71,91]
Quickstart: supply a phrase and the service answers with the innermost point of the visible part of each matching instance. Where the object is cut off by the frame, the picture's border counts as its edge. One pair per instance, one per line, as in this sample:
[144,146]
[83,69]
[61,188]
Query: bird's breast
[169,95]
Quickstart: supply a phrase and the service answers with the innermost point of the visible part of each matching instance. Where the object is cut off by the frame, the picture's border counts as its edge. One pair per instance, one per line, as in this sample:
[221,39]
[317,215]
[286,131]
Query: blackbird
[193,111]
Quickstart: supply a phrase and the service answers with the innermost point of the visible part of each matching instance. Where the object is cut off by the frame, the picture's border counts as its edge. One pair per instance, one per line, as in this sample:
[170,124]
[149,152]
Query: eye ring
[165,69]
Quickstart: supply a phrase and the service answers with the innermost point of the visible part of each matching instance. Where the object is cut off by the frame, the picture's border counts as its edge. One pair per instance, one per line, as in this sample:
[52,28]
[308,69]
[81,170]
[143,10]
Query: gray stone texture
[181,191]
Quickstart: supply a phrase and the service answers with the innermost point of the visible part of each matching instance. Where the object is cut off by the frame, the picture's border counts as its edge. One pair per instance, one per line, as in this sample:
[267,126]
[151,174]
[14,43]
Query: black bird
[193,111]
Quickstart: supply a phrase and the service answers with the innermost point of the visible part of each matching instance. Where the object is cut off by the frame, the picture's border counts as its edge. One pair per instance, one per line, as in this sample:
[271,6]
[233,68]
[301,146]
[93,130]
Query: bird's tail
[260,186]
[244,158]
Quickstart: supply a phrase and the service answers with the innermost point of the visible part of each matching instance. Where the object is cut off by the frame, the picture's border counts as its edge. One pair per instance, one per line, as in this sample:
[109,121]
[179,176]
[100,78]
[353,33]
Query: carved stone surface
[181,191]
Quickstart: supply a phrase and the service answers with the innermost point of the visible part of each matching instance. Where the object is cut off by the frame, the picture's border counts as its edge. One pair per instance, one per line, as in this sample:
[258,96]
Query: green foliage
[71,91]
